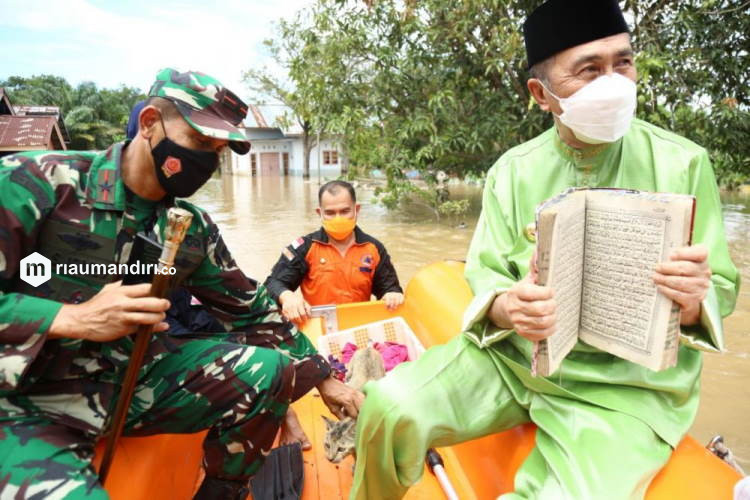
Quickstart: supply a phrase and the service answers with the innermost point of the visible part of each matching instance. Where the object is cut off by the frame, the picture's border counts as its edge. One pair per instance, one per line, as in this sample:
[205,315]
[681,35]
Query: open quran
[598,249]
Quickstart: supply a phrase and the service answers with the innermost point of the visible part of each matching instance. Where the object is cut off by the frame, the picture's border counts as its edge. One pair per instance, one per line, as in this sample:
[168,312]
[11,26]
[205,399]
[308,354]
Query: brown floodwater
[258,216]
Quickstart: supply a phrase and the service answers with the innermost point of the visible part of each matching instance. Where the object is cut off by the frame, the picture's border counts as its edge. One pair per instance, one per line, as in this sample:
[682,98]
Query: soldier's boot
[222,489]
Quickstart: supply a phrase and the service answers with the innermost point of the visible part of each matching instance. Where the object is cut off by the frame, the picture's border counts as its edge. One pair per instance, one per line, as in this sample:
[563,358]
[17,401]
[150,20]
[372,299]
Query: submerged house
[278,151]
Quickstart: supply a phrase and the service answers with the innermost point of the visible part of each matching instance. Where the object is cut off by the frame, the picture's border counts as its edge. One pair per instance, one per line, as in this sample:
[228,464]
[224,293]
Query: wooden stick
[178,222]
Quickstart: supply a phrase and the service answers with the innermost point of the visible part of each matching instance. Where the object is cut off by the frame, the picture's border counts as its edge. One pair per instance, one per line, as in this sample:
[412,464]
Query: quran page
[626,235]
[560,262]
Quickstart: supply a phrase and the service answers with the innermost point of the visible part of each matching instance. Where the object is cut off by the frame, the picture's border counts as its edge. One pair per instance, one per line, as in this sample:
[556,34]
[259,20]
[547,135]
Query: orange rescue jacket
[327,277]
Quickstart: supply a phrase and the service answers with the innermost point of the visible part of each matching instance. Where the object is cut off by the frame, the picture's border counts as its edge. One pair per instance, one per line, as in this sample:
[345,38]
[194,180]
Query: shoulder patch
[297,243]
[287,253]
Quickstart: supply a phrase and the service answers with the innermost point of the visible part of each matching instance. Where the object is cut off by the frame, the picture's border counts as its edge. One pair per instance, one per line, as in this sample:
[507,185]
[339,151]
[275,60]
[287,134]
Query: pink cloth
[393,354]
[347,352]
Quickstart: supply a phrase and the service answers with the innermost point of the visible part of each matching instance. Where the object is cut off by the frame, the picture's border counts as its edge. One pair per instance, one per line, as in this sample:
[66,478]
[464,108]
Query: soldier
[65,344]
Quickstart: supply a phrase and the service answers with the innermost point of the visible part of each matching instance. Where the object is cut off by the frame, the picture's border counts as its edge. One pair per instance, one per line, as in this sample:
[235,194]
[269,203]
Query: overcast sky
[113,42]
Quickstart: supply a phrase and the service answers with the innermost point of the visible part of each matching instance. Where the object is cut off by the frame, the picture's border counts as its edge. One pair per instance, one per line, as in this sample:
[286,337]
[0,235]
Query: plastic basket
[387,330]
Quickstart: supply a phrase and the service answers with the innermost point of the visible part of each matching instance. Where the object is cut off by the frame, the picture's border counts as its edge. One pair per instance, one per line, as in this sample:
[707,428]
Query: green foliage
[454,207]
[294,51]
[441,85]
[95,118]
[694,76]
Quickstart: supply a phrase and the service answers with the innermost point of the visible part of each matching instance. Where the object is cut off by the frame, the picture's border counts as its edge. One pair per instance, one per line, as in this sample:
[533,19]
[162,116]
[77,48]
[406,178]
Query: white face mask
[602,110]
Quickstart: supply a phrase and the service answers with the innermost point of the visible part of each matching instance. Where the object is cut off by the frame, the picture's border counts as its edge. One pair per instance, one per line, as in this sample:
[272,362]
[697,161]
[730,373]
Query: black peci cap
[557,25]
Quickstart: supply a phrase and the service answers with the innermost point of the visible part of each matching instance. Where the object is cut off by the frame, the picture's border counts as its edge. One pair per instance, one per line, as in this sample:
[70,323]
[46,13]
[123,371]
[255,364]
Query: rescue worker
[337,264]
[65,344]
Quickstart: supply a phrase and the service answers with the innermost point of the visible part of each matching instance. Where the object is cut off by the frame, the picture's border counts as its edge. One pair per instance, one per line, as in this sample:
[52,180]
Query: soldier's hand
[527,308]
[393,300]
[117,310]
[342,400]
[294,307]
[685,279]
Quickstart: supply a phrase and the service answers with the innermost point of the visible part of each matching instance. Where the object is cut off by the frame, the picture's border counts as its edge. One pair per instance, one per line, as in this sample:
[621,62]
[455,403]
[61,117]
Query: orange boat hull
[168,466]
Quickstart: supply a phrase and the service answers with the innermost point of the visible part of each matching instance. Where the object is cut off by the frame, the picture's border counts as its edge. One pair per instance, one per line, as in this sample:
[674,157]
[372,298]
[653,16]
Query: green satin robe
[458,391]
[647,158]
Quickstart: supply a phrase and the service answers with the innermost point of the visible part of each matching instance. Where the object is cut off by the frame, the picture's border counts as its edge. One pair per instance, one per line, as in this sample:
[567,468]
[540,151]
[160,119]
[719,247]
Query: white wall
[297,164]
[240,164]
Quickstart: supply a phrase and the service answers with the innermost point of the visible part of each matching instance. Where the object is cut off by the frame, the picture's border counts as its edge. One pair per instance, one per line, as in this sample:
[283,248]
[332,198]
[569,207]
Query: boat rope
[721,450]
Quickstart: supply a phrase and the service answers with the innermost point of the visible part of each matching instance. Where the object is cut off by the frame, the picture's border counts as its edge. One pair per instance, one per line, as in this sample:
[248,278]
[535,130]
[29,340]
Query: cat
[365,365]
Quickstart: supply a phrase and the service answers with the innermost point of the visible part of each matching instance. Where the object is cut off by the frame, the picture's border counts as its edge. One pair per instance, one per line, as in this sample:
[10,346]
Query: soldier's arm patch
[287,253]
[297,243]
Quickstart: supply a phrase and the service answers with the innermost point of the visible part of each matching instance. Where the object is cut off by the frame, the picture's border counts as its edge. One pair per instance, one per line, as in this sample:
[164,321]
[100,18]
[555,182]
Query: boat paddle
[178,222]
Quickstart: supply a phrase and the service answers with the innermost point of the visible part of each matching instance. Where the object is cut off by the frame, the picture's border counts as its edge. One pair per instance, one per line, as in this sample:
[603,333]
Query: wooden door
[269,164]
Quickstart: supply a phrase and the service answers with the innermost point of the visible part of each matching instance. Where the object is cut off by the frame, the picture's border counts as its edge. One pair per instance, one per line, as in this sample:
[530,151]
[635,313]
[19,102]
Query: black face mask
[180,170]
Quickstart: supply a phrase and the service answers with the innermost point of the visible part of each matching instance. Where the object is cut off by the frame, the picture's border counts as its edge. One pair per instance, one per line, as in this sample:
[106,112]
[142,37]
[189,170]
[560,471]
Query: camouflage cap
[208,106]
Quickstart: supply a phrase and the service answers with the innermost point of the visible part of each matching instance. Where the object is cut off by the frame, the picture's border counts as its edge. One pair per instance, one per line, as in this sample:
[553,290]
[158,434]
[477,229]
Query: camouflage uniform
[56,395]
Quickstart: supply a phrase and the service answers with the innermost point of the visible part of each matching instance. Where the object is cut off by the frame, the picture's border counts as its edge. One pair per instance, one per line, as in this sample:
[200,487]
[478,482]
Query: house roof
[44,111]
[267,116]
[257,118]
[263,133]
[6,108]
[25,133]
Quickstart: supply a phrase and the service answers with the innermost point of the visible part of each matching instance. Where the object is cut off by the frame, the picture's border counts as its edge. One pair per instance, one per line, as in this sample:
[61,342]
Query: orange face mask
[339,228]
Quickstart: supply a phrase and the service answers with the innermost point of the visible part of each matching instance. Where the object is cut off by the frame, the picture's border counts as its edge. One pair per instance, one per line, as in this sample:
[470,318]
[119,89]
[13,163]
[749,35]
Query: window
[285,162]
[253,163]
[330,157]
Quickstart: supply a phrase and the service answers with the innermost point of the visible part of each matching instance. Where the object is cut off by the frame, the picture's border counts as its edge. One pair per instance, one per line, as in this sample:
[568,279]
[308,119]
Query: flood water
[258,216]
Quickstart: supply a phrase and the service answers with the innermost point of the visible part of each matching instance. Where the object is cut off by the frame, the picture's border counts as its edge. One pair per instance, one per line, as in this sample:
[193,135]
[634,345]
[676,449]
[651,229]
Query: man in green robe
[596,405]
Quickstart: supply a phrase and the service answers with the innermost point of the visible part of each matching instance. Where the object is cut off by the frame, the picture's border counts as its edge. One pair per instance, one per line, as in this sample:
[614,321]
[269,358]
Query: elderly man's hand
[342,400]
[393,300]
[294,307]
[685,279]
[527,308]
[117,310]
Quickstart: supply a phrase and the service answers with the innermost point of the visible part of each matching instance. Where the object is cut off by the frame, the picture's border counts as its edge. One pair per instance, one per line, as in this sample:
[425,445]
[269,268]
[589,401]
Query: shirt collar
[587,155]
[104,187]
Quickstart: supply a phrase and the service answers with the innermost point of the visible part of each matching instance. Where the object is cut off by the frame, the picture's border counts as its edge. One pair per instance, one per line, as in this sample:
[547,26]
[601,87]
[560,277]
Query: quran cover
[598,249]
